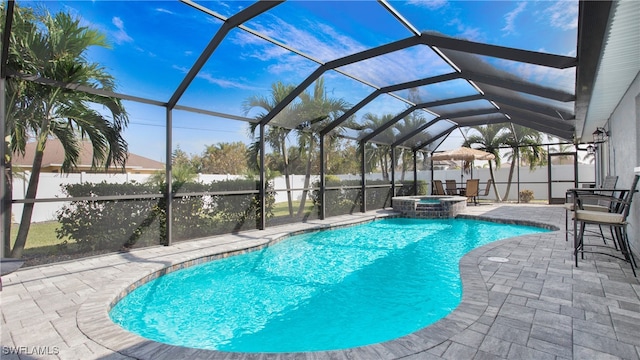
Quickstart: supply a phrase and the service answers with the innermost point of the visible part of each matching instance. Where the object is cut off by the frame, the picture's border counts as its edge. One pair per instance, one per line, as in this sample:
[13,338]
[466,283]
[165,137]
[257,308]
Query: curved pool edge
[93,316]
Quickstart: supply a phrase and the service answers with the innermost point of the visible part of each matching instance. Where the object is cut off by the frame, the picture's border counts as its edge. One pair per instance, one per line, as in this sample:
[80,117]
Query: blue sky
[154,43]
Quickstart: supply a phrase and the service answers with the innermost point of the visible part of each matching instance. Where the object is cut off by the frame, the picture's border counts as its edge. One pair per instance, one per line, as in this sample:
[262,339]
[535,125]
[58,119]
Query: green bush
[115,224]
[346,199]
[107,224]
[407,188]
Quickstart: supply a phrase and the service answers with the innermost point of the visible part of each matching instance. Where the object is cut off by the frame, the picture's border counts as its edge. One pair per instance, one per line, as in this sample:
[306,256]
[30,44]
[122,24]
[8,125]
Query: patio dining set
[604,207]
[470,189]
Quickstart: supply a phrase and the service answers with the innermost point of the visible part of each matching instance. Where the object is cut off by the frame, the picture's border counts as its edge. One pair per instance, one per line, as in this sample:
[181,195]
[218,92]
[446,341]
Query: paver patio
[537,305]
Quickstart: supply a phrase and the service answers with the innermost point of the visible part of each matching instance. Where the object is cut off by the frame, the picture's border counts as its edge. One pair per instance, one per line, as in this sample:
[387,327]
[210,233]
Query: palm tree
[316,109]
[563,148]
[378,154]
[525,145]
[276,136]
[408,124]
[182,171]
[54,47]
[490,137]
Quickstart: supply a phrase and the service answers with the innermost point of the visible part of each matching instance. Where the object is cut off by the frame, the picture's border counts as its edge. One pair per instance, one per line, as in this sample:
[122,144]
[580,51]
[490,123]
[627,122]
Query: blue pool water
[429,201]
[325,290]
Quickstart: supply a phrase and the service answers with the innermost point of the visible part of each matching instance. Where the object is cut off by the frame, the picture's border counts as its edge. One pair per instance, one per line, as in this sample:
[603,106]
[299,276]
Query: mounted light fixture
[600,135]
[591,149]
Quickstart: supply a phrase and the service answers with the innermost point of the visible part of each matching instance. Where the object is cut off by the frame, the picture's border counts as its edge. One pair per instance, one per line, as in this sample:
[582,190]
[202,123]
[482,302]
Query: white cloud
[121,35]
[510,18]
[181,69]
[223,83]
[562,15]
[466,32]
[561,79]
[315,39]
[429,4]
[163,10]
[324,43]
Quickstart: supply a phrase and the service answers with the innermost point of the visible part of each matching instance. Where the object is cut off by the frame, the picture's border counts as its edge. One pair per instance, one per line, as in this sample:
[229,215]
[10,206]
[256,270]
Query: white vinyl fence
[536,180]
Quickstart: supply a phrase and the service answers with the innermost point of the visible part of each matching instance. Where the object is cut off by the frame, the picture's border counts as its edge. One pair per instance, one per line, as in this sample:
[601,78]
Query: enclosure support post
[363,182]
[575,168]
[431,168]
[415,172]
[5,181]
[263,183]
[518,167]
[5,166]
[393,175]
[323,184]
[169,179]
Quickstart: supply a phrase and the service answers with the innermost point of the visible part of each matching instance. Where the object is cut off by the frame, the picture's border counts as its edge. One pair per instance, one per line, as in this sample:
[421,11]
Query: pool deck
[537,305]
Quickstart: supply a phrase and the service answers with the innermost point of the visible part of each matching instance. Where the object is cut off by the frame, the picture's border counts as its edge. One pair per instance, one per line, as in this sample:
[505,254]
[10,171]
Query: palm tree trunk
[307,180]
[27,210]
[285,158]
[495,187]
[383,167]
[506,193]
[404,167]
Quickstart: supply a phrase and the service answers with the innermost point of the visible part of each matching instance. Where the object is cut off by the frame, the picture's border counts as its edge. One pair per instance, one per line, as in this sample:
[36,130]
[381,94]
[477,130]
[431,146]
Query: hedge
[346,200]
[118,224]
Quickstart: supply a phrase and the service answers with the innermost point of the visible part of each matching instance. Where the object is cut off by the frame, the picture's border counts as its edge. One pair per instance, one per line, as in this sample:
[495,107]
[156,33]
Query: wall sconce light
[600,135]
[591,149]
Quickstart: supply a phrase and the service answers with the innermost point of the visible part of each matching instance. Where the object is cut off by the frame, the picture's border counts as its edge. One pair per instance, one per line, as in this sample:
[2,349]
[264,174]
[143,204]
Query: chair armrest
[580,196]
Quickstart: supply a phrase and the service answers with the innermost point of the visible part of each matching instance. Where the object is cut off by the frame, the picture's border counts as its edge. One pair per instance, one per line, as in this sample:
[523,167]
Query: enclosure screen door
[561,178]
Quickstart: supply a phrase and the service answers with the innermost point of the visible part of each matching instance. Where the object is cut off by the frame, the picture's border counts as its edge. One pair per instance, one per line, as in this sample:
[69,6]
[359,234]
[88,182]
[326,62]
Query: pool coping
[93,318]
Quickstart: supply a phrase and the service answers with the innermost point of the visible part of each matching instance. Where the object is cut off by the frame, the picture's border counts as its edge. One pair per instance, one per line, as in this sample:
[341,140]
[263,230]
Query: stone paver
[537,305]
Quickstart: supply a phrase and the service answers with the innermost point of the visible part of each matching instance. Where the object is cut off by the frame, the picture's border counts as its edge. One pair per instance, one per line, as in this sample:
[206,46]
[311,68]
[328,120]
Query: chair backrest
[609,182]
[438,188]
[452,188]
[472,187]
[488,188]
[629,196]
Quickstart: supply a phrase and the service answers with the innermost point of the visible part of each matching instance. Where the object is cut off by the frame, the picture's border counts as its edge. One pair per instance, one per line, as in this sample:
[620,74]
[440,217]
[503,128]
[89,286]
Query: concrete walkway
[537,305]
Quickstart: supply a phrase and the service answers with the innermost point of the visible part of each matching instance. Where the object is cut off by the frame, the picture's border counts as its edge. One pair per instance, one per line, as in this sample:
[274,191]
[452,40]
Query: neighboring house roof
[54,156]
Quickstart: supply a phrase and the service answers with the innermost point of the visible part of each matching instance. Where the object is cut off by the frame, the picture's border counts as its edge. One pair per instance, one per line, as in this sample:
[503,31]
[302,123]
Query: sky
[153,44]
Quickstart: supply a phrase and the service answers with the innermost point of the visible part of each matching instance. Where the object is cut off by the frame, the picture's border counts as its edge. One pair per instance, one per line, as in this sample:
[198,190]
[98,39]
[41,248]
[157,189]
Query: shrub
[526,195]
[107,224]
[407,188]
[115,224]
[347,198]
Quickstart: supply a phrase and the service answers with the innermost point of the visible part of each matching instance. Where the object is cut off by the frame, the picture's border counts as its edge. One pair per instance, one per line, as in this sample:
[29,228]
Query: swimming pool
[325,290]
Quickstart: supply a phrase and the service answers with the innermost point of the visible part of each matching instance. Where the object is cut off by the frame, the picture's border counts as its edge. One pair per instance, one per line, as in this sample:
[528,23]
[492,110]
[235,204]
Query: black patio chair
[616,219]
[592,203]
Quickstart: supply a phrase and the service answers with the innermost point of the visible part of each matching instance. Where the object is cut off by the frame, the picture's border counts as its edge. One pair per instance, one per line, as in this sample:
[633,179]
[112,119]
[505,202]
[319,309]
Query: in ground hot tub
[429,207]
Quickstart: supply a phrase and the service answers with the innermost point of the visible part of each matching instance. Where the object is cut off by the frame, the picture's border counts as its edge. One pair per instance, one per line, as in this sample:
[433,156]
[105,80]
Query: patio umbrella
[463,154]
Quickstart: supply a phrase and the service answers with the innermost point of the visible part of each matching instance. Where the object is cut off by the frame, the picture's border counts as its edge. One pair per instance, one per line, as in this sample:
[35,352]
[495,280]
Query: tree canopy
[54,47]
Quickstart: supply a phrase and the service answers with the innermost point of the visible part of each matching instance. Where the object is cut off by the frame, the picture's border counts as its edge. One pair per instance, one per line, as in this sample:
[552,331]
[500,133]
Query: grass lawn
[282,209]
[43,234]
[40,234]
[42,240]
